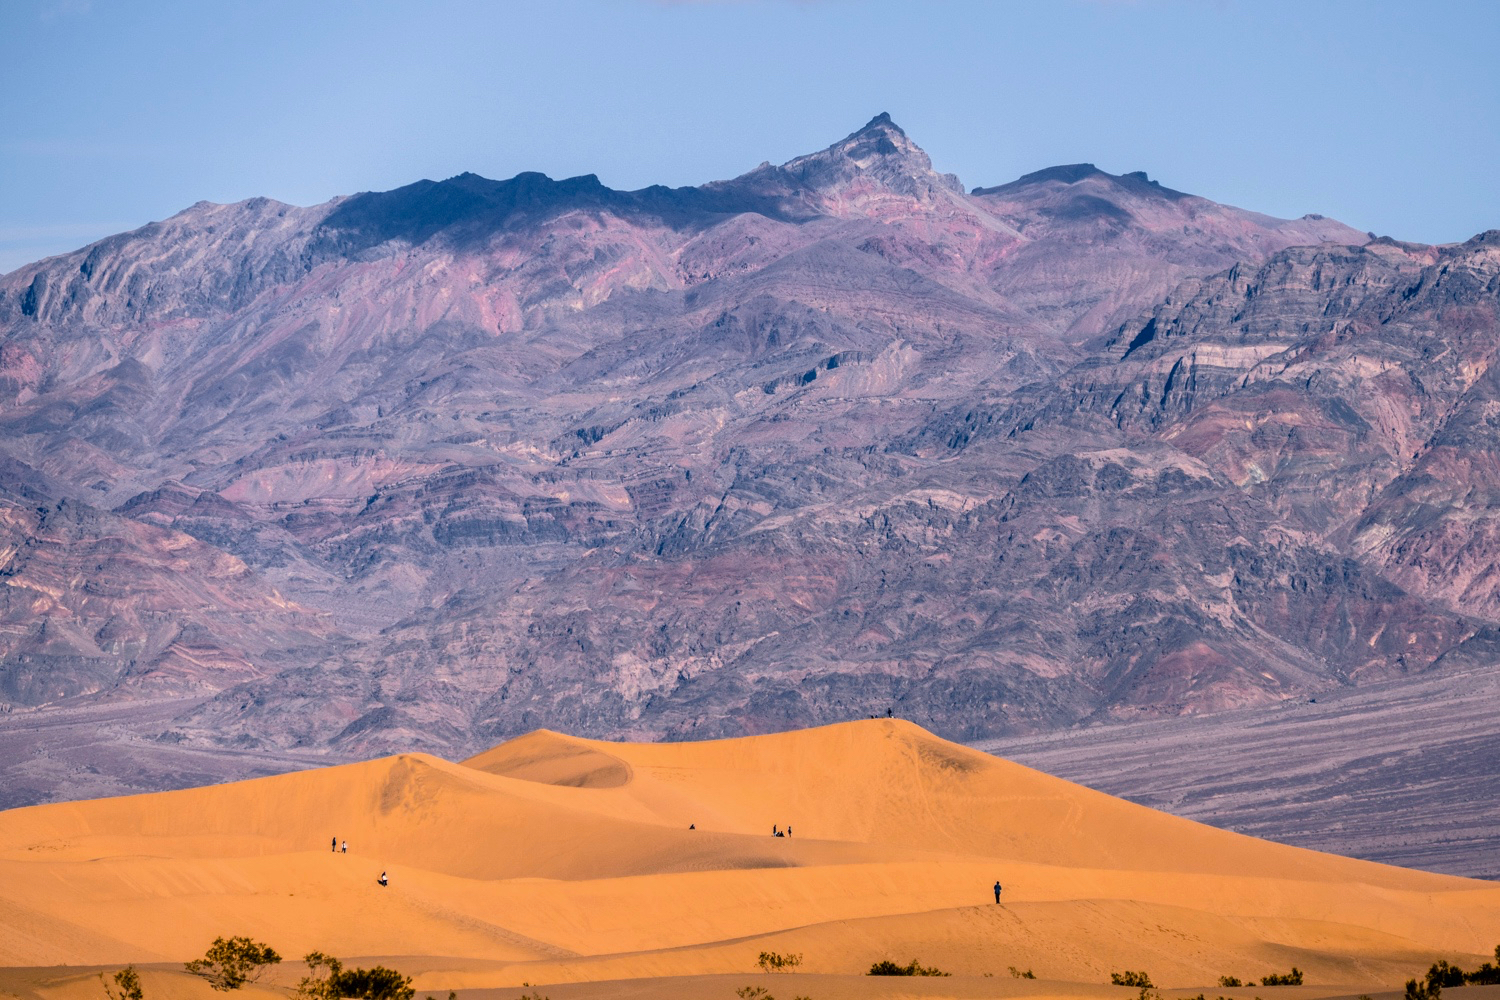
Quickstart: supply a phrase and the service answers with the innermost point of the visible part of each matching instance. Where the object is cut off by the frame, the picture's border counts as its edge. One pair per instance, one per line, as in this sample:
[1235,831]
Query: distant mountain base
[1406,774]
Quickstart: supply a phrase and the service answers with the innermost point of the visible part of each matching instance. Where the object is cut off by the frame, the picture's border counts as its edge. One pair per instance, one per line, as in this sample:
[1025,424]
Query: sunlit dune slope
[551,859]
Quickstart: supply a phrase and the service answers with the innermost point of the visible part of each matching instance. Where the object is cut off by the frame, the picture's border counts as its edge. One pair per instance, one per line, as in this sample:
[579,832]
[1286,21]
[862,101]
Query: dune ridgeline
[557,860]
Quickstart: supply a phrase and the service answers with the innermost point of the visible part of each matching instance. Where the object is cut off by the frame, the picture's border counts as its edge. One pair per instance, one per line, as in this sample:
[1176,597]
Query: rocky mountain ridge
[831,438]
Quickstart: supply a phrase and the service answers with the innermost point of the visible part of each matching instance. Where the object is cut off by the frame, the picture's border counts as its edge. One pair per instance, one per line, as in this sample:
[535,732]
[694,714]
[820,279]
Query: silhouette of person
[888,713]
[998,887]
[346,847]
[334,846]
[775,832]
[692,826]
[789,830]
[382,879]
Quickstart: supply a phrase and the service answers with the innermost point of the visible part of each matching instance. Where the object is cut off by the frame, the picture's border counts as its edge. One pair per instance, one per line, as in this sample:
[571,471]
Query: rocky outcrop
[97,604]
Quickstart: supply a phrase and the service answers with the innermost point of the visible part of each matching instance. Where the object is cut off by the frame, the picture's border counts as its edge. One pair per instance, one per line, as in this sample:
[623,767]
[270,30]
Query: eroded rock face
[829,438]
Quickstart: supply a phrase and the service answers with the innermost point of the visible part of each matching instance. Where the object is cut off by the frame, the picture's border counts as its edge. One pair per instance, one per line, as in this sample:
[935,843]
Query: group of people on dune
[342,847]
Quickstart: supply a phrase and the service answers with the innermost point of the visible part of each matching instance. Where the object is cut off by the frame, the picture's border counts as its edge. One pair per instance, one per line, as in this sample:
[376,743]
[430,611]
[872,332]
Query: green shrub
[1293,978]
[1128,978]
[1018,974]
[885,967]
[1445,975]
[230,964]
[1485,975]
[1421,991]
[774,961]
[327,980]
[1230,981]
[377,983]
[1441,976]
[754,993]
[127,982]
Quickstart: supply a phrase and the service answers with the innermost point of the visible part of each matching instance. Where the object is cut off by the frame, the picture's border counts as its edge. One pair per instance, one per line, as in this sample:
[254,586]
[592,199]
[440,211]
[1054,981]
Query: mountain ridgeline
[432,467]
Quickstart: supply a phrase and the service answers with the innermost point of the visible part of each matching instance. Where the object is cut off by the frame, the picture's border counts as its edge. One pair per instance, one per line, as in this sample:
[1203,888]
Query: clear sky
[115,113]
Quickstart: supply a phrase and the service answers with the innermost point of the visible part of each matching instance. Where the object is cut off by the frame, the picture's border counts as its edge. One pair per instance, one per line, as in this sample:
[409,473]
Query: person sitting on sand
[998,887]
[382,879]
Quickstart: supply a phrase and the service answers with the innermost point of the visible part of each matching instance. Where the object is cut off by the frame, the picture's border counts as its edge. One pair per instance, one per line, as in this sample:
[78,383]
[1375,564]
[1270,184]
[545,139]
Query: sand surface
[558,861]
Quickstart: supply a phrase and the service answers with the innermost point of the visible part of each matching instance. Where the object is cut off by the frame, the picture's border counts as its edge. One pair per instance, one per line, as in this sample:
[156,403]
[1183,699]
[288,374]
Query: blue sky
[1384,115]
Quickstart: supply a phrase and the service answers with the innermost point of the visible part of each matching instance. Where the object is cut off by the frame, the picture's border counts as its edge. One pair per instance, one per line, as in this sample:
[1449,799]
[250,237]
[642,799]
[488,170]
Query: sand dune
[552,859]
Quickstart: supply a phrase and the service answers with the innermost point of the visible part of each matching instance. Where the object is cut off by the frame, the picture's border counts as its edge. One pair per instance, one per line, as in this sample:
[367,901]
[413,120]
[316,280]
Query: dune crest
[553,759]
[554,859]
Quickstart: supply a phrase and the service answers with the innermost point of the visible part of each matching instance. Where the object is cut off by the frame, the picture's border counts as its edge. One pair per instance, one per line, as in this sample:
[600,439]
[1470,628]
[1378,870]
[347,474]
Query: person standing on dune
[998,887]
[334,846]
[346,847]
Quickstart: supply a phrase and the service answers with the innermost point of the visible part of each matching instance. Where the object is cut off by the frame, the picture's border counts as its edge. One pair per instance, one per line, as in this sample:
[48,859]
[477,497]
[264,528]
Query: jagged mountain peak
[880,123]
[878,156]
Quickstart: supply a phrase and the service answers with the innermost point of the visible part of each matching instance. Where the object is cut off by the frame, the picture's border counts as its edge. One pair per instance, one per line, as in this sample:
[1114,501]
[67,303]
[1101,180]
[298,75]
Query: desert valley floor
[611,869]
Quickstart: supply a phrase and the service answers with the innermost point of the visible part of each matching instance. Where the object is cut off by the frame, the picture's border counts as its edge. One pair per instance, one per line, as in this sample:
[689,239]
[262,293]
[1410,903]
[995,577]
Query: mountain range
[432,467]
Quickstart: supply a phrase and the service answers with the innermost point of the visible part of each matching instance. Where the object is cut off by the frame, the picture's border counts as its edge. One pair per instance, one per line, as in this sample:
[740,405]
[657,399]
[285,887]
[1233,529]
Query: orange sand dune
[552,860]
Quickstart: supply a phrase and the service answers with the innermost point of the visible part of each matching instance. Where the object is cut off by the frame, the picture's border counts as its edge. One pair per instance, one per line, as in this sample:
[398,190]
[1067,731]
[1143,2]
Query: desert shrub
[377,983]
[1421,991]
[127,985]
[774,961]
[328,980]
[1442,976]
[1445,975]
[1485,975]
[885,967]
[754,993]
[318,984]
[230,964]
[1230,981]
[1128,978]
[1018,974]
[1293,978]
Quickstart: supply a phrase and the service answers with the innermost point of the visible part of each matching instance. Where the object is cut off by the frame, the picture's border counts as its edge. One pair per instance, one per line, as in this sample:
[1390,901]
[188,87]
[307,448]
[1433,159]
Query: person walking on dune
[998,887]
[346,847]
[334,847]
